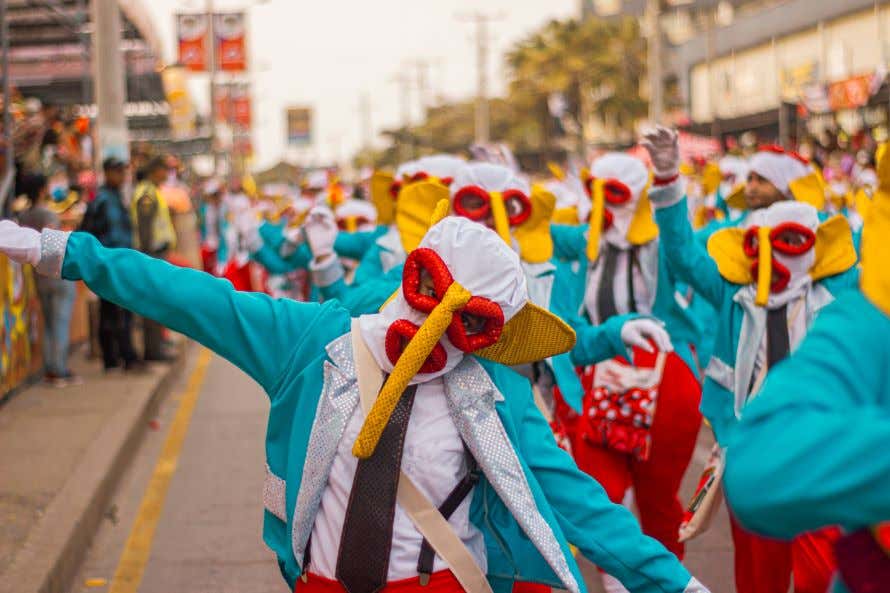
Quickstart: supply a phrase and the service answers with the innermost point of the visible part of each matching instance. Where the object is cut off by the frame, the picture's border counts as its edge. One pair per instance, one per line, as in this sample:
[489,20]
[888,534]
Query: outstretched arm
[257,333]
[809,450]
[605,533]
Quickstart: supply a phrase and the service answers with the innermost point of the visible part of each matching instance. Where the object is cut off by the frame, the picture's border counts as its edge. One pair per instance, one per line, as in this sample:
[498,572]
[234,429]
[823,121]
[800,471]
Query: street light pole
[211,33]
[108,74]
[656,61]
[482,123]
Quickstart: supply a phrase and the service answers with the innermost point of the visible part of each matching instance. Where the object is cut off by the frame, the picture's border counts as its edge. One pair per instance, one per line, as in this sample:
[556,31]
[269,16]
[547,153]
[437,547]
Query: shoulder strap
[426,517]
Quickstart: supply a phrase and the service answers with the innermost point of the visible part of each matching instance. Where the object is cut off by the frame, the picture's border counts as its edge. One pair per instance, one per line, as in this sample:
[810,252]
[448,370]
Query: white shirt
[797,329]
[435,461]
[642,299]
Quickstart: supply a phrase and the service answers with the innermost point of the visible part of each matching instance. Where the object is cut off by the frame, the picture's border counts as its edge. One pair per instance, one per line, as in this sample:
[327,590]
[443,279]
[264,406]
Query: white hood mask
[632,173]
[479,261]
[798,266]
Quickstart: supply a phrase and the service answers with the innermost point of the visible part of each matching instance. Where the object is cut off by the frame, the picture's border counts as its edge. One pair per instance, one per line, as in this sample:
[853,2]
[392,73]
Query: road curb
[56,546]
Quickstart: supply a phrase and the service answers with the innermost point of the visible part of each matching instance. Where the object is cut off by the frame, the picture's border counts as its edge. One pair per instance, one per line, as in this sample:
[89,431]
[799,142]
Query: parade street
[205,535]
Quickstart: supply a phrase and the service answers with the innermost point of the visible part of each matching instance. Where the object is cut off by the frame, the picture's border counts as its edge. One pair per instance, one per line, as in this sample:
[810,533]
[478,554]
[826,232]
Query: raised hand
[321,231]
[663,146]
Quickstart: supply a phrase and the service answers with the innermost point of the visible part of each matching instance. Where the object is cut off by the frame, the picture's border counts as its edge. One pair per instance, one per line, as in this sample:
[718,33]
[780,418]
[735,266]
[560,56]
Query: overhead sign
[231,44]
[299,126]
[191,32]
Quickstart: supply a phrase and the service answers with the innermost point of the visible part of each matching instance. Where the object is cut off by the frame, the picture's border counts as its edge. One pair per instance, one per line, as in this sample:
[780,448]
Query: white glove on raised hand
[663,146]
[638,332]
[20,244]
[321,231]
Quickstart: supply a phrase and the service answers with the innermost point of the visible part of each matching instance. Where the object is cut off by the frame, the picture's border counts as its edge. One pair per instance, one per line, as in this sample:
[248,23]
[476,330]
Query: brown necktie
[366,539]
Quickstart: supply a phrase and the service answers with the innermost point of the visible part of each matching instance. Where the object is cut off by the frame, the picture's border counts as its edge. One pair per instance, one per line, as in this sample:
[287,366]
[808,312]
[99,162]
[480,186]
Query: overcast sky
[327,53]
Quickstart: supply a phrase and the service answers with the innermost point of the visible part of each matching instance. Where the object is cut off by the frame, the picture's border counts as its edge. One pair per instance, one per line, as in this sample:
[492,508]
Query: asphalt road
[207,537]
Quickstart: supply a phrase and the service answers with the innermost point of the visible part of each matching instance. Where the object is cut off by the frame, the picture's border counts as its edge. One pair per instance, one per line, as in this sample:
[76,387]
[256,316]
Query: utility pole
[406,149]
[481,21]
[211,34]
[365,115]
[108,74]
[656,61]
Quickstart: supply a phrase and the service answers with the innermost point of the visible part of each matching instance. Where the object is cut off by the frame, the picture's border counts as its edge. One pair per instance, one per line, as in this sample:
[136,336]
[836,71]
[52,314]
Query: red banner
[850,94]
[191,31]
[231,50]
[241,105]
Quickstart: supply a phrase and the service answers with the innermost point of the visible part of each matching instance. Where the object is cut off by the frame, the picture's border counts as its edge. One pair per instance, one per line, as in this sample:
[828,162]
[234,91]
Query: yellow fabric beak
[736,198]
[566,215]
[875,279]
[810,189]
[642,226]
[414,210]
[381,181]
[764,267]
[351,224]
[533,235]
[499,215]
[408,365]
[597,213]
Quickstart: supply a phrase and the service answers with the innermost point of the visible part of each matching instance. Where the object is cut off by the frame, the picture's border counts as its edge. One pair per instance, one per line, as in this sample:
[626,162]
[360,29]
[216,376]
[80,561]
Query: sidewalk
[61,452]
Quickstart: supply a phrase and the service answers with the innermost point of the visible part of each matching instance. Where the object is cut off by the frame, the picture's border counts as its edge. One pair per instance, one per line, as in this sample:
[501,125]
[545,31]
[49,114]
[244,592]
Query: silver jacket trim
[721,373]
[472,396]
[53,245]
[274,495]
[337,403]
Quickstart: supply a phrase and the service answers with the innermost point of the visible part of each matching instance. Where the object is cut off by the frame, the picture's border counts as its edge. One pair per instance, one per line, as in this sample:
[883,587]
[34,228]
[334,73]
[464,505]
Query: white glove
[321,231]
[294,235]
[663,145]
[638,332]
[20,244]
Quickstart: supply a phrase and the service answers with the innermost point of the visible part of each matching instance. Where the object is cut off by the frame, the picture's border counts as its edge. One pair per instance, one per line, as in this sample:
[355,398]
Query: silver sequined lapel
[337,403]
[472,396]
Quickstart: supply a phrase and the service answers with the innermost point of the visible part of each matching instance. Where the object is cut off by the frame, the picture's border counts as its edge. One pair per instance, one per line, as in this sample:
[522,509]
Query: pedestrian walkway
[61,451]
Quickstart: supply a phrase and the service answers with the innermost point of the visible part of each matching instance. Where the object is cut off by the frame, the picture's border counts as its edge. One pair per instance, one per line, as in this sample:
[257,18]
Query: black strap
[778,344]
[632,260]
[447,508]
[605,301]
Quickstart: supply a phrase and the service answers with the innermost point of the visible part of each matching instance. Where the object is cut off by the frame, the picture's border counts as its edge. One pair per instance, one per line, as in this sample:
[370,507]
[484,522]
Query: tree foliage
[596,65]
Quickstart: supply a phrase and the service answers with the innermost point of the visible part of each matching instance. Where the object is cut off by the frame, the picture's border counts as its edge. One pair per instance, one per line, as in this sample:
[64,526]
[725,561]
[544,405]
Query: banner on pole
[299,126]
[231,42]
[191,33]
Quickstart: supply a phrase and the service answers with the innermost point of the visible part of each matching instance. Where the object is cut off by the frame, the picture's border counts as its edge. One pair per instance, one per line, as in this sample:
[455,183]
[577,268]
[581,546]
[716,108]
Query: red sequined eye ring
[423,259]
[808,237]
[614,191]
[474,203]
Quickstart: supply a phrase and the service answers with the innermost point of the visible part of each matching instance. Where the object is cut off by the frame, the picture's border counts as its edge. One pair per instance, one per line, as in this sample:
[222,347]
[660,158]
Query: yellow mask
[875,279]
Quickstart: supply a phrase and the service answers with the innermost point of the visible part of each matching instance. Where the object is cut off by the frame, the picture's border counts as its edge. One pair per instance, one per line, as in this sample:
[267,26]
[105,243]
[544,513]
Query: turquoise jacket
[532,500]
[810,449]
[670,306]
[729,372]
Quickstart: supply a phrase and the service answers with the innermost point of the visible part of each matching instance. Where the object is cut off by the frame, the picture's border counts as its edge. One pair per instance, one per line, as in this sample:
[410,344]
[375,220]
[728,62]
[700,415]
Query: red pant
[764,565]
[239,276]
[440,582]
[655,481]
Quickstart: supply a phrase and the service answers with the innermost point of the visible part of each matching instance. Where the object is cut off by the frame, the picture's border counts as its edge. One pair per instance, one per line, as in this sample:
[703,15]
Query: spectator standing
[154,236]
[56,295]
[108,220]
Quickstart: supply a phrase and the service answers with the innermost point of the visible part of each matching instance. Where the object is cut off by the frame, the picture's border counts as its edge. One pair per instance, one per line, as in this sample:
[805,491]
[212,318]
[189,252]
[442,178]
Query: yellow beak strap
[597,212]
[499,214]
[408,365]
[764,267]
